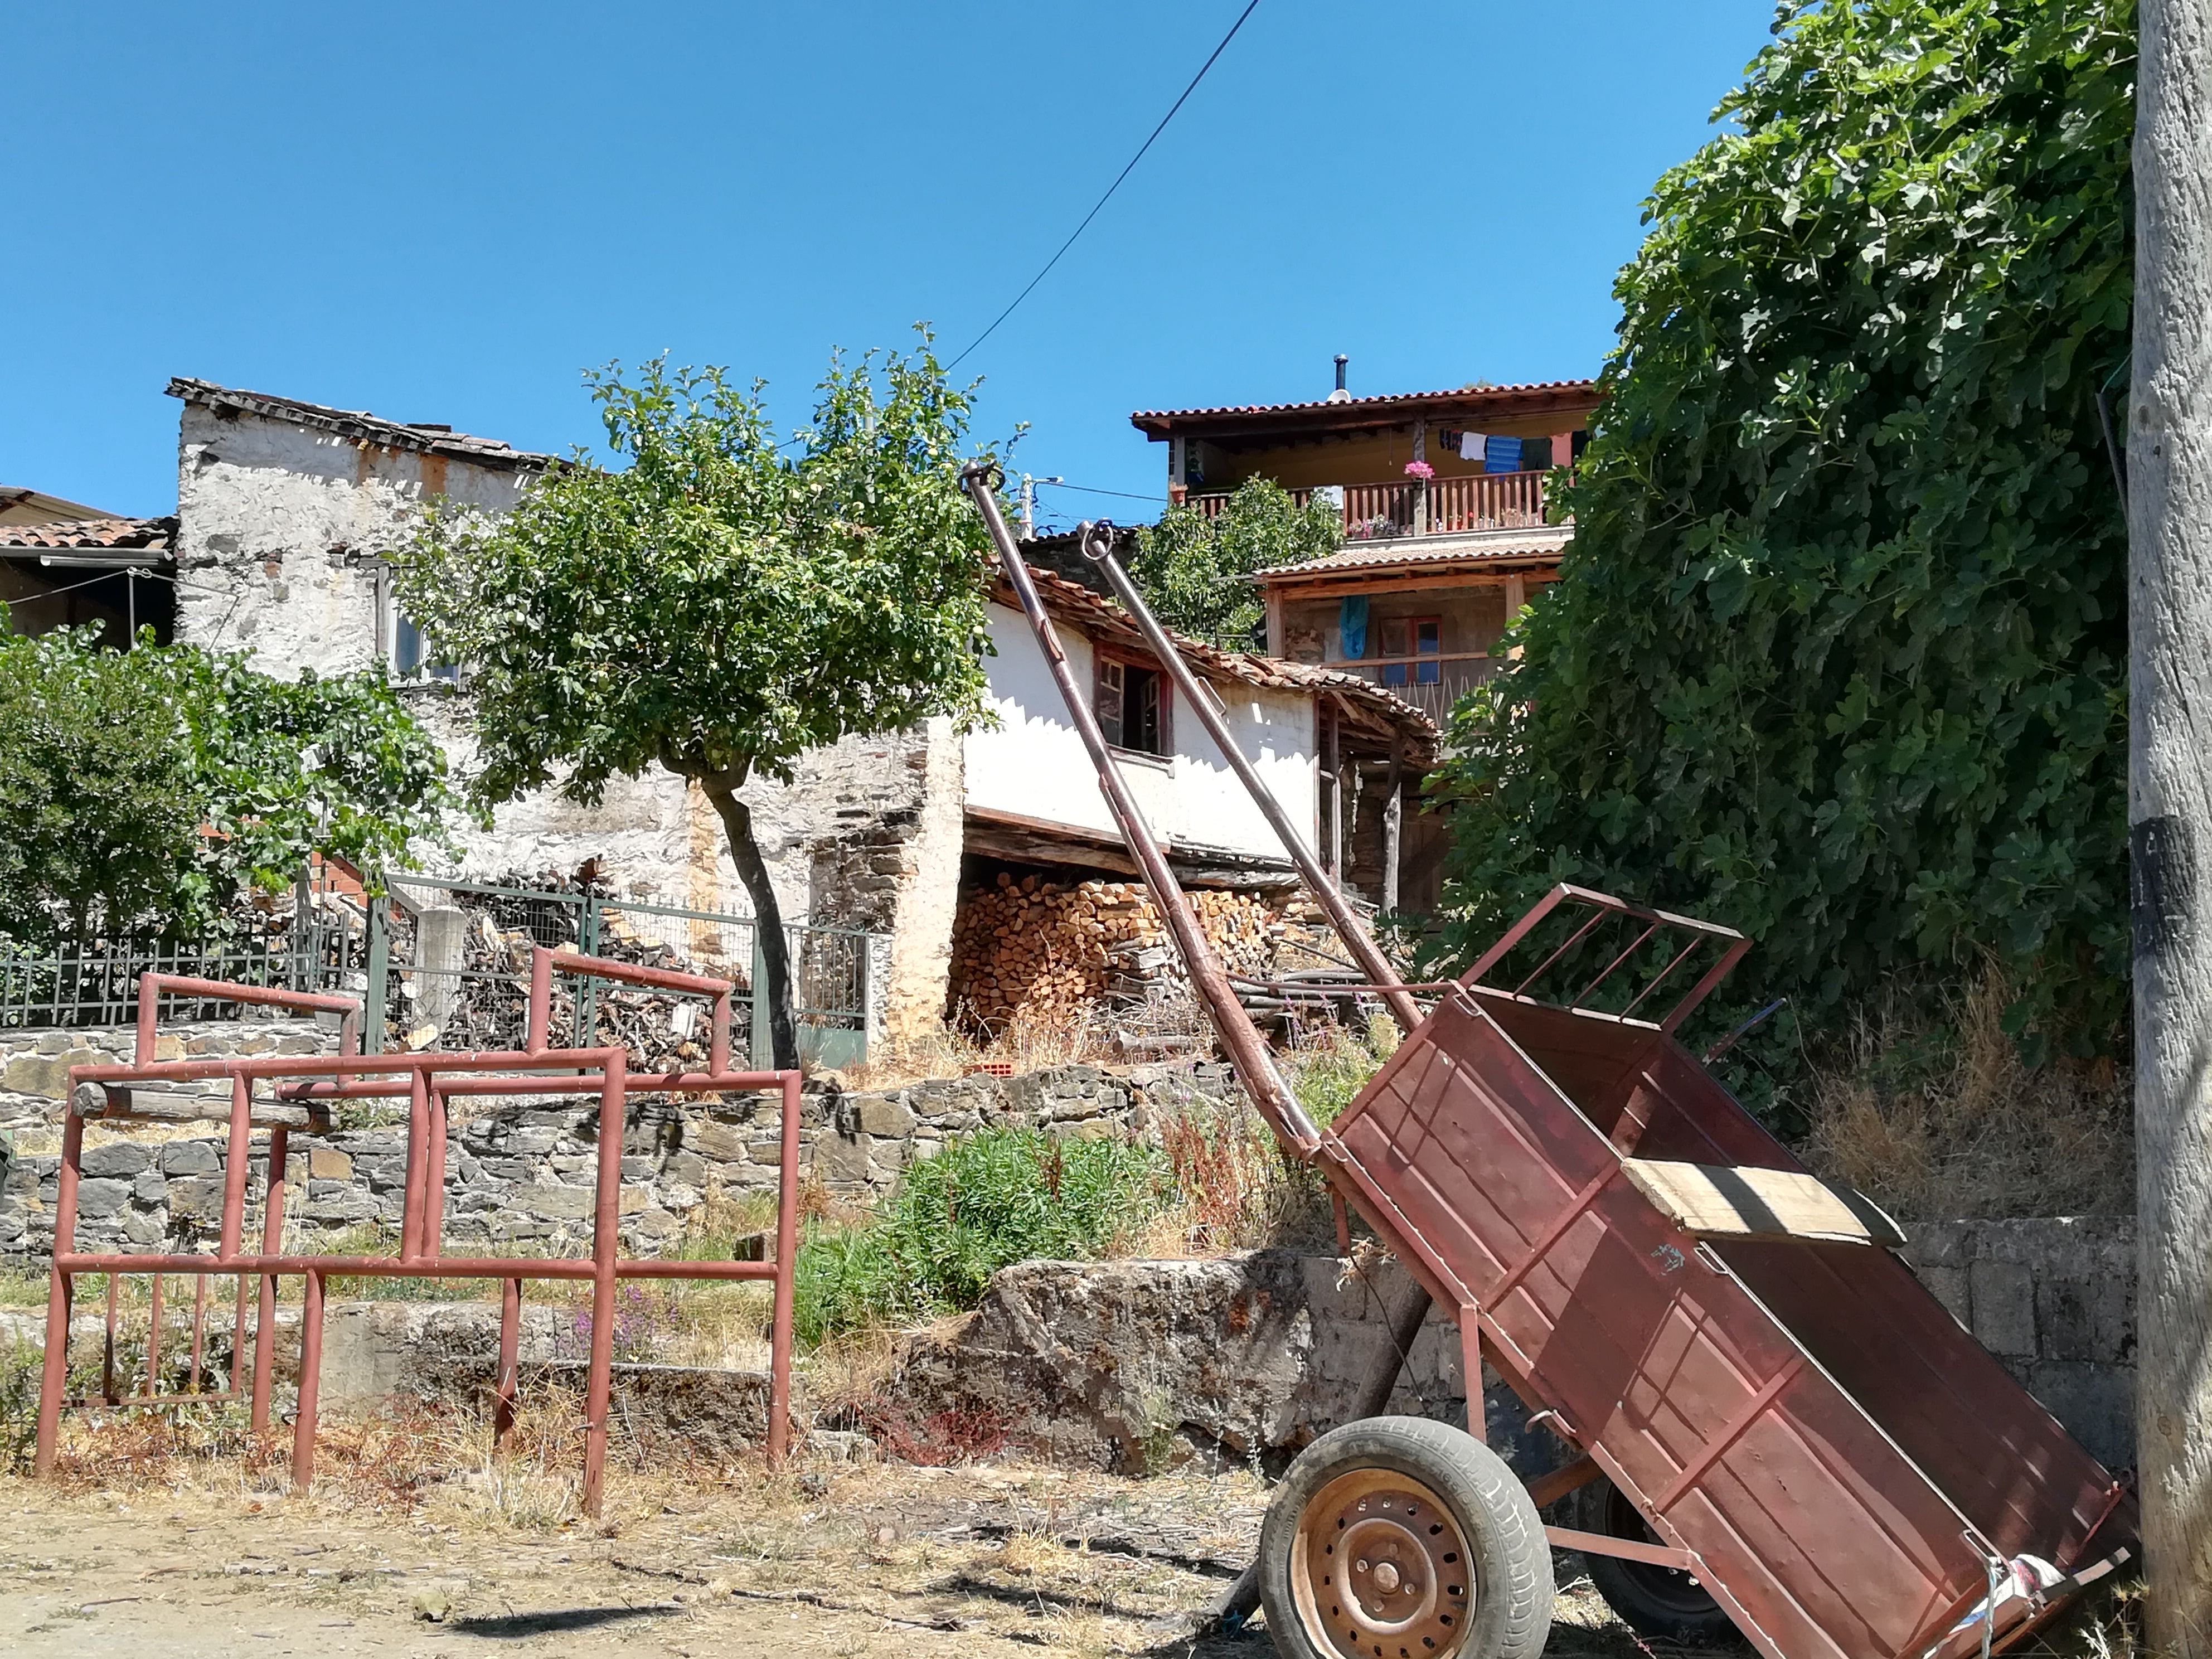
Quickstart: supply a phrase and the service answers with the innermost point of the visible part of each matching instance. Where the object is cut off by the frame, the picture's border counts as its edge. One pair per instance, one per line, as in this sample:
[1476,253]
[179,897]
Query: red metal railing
[1482,501]
[426,1080]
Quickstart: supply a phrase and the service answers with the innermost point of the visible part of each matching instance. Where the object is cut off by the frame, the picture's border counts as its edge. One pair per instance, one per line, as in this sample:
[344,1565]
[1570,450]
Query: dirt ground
[840,1560]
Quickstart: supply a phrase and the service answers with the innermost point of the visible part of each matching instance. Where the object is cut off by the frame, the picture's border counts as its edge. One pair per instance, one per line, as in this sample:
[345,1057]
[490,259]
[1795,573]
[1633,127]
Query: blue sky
[442,213]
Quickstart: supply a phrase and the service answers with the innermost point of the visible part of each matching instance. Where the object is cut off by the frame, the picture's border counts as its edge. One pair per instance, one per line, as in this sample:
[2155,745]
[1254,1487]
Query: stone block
[143,1229]
[96,1200]
[150,1188]
[1949,1287]
[2065,1326]
[687,1168]
[118,1160]
[329,1163]
[554,1203]
[344,1208]
[844,1158]
[196,1198]
[2004,1307]
[885,1116]
[640,1169]
[723,1143]
[188,1158]
[44,1075]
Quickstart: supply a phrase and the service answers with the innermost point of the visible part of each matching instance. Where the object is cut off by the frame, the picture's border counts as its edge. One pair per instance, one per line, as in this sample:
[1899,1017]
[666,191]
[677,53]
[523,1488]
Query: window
[1419,639]
[1131,701]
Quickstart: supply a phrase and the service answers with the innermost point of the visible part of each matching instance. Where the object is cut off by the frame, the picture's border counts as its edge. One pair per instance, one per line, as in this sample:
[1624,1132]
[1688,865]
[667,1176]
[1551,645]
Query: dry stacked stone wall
[520,1172]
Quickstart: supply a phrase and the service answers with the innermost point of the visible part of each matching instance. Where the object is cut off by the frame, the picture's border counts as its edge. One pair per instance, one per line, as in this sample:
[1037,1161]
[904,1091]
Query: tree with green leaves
[1839,653]
[724,601]
[1192,569]
[144,791]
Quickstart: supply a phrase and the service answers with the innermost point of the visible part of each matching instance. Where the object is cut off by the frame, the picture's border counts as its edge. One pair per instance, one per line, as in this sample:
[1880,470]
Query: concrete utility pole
[2170,811]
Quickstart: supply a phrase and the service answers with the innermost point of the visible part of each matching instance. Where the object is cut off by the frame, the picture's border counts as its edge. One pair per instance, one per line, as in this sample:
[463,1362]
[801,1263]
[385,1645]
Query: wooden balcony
[1456,674]
[1442,506]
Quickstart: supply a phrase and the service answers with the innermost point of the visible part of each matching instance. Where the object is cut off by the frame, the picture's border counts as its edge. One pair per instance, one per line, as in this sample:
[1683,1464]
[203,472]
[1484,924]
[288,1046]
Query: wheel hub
[1381,1570]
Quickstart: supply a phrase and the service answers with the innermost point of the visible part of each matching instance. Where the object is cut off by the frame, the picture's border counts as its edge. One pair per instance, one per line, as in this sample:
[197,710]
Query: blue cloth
[1352,624]
[1501,454]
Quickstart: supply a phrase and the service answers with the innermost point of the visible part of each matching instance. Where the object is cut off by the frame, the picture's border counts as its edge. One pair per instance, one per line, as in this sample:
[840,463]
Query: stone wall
[520,1172]
[1140,1366]
[2054,1301]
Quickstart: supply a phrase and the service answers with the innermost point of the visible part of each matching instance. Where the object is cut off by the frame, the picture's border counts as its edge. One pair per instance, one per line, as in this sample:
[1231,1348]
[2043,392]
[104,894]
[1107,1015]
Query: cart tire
[1654,1600]
[1429,1530]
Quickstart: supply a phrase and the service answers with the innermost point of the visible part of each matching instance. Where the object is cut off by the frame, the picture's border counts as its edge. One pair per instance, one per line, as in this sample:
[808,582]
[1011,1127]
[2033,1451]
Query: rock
[189,1158]
[196,1198]
[329,1163]
[884,1115]
[99,1199]
[119,1159]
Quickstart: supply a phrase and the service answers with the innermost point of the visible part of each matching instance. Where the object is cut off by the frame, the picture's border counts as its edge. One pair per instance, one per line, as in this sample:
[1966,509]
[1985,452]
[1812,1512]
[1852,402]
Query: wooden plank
[1716,1201]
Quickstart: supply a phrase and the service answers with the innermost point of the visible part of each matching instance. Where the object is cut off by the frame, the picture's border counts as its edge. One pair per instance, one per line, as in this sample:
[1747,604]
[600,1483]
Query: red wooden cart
[1766,1417]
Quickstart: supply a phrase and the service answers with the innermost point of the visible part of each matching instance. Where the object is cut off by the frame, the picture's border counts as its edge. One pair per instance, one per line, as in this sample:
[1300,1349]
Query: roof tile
[150,534]
[423,437]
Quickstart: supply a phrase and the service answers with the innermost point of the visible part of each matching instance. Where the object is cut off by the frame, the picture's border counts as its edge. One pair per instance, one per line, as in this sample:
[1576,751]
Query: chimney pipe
[1340,395]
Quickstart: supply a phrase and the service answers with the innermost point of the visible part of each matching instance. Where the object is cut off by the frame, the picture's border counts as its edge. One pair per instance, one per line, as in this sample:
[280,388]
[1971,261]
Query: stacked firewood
[1058,952]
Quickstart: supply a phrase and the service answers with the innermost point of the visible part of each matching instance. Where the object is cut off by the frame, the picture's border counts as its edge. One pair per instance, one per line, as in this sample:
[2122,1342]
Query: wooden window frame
[1102,656]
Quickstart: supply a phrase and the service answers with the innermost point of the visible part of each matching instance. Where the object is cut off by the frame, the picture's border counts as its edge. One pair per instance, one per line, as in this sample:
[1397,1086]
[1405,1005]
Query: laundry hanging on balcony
[1351,625]
[1501,454]
[1468,446]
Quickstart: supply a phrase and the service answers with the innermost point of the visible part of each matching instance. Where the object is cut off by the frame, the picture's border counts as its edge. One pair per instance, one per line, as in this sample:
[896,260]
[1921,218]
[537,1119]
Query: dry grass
[1928,1110]
[1030,1042]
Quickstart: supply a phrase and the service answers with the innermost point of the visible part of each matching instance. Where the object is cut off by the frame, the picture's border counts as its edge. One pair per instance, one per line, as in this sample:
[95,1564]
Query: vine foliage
[1838,655]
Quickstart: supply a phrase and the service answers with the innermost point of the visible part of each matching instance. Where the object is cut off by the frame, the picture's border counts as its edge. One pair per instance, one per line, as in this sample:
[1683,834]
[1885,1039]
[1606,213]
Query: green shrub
[998,1196]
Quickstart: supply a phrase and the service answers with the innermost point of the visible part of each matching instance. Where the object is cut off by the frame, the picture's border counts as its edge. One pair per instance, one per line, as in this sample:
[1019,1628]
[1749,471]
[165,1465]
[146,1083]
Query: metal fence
[448,968]
[322,947]
[445,964]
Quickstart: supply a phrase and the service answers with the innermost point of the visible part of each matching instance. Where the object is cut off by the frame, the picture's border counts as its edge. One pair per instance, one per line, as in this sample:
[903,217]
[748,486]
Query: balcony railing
[1442,506]
[1457,674]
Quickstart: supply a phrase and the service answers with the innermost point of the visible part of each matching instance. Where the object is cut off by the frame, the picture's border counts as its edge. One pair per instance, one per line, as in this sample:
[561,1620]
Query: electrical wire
[1111,188]
[1093,490]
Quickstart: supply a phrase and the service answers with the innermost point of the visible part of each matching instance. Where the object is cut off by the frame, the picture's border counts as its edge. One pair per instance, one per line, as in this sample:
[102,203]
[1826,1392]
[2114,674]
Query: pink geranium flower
[1420,469]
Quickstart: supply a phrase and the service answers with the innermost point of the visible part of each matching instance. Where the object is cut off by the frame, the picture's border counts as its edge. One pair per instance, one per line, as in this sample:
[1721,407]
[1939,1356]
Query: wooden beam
[1716,1200]
[110,1102]
[1537,567]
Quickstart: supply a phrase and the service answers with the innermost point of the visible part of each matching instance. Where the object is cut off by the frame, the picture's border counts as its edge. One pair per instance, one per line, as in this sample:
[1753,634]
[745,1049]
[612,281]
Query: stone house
[287,512]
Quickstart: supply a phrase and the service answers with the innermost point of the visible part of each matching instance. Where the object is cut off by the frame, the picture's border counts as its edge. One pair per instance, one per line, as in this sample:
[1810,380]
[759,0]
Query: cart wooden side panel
[1815,1530]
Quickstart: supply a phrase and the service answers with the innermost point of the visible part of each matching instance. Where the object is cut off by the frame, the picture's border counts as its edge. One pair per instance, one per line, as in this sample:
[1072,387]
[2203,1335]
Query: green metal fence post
[587,989]
[764,1042]
[379,956]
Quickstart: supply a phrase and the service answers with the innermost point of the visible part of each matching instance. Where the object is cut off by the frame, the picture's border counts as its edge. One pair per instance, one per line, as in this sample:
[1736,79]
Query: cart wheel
[1398,1538]
[1656,1600]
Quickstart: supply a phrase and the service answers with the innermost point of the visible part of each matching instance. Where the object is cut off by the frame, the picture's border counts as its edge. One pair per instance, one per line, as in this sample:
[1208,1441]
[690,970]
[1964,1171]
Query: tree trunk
[721,791]
[2170,811]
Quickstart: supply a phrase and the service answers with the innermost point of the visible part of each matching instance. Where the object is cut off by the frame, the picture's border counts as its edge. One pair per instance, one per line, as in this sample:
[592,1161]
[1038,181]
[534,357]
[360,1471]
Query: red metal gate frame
[426,1081]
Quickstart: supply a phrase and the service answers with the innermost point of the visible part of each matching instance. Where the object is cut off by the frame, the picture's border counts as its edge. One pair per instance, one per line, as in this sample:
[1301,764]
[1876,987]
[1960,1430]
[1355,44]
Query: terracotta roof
[423,437]
[1379,410]
[1098,614]
[20,505]
[151,535]
[1482,547]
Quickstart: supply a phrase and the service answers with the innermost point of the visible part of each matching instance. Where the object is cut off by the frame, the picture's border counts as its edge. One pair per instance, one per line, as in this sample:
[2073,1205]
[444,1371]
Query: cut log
[109,1103]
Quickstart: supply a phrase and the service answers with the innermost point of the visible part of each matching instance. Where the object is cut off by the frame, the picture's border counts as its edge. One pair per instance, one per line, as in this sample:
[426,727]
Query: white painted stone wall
[278,528]
[1033,763]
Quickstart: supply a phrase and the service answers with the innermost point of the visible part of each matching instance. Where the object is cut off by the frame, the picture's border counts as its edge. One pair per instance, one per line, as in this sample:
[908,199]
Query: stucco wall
[1033,763]
[279,528]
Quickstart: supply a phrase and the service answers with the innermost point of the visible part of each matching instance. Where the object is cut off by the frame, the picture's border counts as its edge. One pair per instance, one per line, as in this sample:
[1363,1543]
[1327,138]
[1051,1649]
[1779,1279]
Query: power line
[1092,489]
[1111,188]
